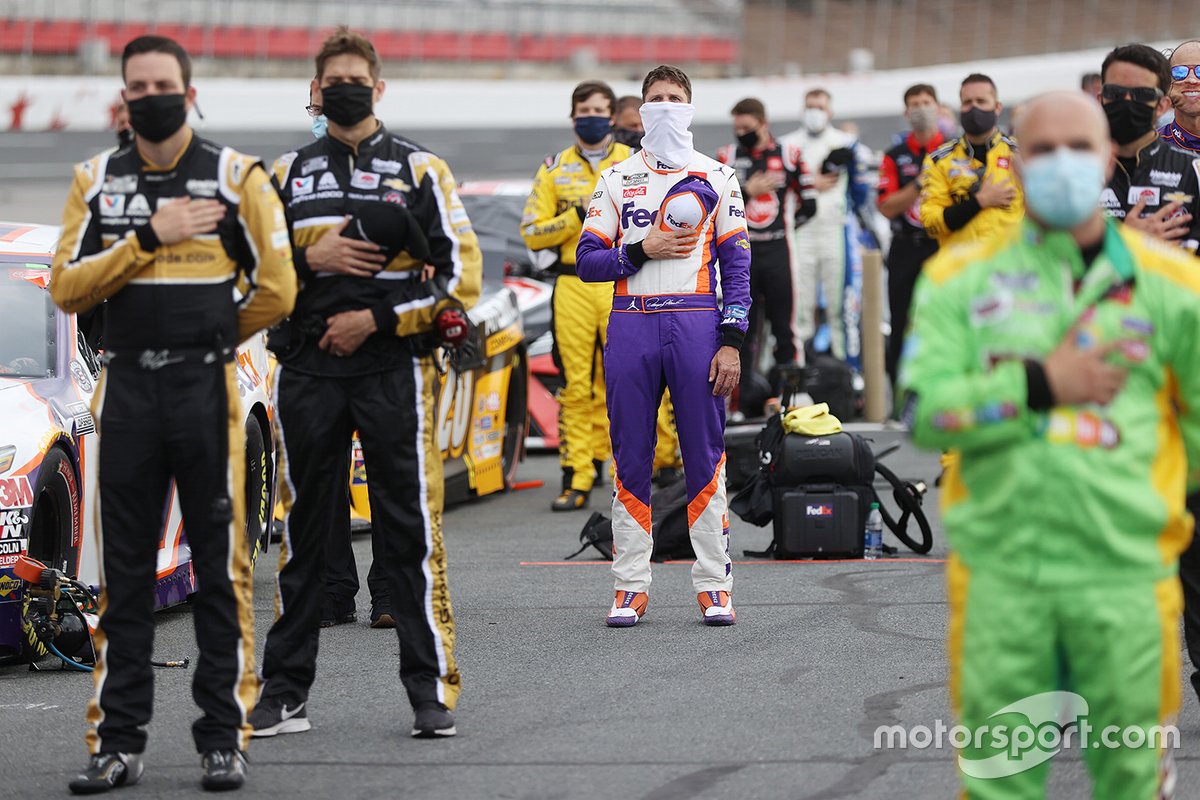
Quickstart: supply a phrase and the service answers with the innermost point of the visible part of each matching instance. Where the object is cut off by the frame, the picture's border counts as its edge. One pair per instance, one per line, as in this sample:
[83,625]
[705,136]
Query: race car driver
[660,250]
[967,187]
[1155,187]
[1059,361]
[554,217]
[164,231]
[367,209]
[1183,132]
[899,201]
[821,244]
[775,179]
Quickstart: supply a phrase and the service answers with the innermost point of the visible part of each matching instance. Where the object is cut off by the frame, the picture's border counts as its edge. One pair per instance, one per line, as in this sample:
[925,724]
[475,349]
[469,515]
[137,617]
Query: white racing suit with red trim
[666,326]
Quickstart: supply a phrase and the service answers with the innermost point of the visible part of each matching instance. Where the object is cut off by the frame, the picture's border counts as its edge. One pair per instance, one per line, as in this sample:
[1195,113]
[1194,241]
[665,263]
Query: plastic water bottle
[873,538]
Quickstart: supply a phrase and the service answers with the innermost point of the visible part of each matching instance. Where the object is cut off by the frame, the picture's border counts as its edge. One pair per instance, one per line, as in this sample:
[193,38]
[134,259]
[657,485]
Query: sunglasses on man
[1112,92]
[1180,73]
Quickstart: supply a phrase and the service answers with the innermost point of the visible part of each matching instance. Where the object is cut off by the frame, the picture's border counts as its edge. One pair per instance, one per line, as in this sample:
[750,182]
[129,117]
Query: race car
[48,374]
[495,209]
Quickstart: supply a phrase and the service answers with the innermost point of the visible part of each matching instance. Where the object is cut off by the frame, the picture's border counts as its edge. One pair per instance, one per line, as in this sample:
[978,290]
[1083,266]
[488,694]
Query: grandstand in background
[567,38]
[432,38]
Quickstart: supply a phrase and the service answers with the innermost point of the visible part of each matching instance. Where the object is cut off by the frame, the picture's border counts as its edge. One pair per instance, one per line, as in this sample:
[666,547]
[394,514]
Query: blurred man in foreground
[1059,360]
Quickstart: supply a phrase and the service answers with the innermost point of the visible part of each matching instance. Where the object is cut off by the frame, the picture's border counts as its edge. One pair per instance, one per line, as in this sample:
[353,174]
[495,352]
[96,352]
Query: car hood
[35,412]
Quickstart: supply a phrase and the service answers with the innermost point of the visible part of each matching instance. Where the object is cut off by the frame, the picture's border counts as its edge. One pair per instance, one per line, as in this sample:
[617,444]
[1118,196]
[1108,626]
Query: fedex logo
[636,217]
[594,212]
[818,511]
[734,211]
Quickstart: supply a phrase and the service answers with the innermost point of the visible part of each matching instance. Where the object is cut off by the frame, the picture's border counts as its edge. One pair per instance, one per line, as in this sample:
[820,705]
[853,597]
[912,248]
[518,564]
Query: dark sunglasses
[1112,92]
[1180,72]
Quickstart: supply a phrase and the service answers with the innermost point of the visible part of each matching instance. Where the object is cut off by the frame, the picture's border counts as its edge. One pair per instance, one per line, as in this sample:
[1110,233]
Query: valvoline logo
[820,510]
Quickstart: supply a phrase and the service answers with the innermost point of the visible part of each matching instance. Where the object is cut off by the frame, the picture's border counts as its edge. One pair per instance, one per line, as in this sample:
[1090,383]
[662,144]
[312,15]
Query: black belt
[154,360]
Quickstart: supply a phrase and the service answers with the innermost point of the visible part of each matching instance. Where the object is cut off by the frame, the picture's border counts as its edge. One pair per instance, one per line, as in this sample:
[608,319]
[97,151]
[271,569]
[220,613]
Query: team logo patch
[385,166]
[364,180]
[302,185]
[313,164]
[112,205]
[637,179]
[138,207]
[120,184]
[1151,194]
[327,183]
[397,184]
[1162,178]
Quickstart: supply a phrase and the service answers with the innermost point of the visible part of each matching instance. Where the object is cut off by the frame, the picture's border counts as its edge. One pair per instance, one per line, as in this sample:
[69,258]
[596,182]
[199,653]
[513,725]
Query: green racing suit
[1065,522]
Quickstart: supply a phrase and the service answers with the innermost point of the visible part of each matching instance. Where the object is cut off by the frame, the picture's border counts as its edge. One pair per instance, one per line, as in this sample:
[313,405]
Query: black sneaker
[273,716]
[337,610]
[381,617]
[224,770]
[108,771]
[433,720]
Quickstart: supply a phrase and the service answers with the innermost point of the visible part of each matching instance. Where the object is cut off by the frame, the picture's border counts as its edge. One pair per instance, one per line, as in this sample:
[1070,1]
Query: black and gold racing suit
[385,390]
[168,409]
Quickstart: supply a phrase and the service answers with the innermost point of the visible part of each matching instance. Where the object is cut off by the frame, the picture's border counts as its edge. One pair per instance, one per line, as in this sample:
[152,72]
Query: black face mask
[347,104]
[1128,120]
[976,121]
[156,117]
[748,140]
[124,138]
[628,137]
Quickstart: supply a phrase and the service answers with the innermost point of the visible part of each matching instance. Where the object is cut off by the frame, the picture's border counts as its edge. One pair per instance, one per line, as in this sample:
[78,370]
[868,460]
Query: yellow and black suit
[950,177]
[167,407]
[553,219]
[385,390]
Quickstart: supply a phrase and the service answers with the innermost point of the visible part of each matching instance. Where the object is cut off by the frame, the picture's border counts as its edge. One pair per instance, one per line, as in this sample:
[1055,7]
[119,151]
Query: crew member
[665,250]
[821,244]
[967,186]
[1155,187]
[164,232]
[367,210]
[1070,405]
[899,201]
[774,178]
[1183,131]
[629,130]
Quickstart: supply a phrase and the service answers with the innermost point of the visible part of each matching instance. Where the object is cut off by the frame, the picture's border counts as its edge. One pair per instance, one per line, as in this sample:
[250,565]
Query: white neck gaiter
[667,136]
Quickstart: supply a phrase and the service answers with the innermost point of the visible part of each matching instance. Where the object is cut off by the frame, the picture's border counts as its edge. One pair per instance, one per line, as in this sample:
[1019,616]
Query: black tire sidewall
[258,485]
[58,549]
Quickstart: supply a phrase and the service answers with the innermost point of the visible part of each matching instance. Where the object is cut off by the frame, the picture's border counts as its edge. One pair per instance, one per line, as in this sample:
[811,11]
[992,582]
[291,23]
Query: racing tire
[55,527]
[259,505]
[516,418]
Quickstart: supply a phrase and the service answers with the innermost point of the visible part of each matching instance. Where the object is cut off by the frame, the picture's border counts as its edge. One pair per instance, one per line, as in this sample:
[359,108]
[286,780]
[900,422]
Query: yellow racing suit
[562,190]
[949,179]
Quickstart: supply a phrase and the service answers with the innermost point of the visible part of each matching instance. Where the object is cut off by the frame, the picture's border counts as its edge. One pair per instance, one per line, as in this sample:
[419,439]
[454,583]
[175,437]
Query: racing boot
[433,721]
[570,500]
[627,609]
[381,613]
[107,771]
[224,770]
[717,608]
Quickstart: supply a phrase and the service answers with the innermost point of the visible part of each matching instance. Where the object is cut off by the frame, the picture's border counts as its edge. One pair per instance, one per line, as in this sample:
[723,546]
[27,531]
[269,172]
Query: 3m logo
[15,492]
[821,510]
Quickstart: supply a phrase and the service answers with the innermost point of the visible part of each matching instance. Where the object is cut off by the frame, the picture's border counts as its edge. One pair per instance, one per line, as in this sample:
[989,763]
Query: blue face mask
[319,126]
[1062,189]
[1165,120]
[592,130]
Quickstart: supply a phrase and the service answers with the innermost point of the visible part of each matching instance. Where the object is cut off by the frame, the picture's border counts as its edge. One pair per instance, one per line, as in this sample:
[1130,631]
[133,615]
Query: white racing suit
[820,254]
